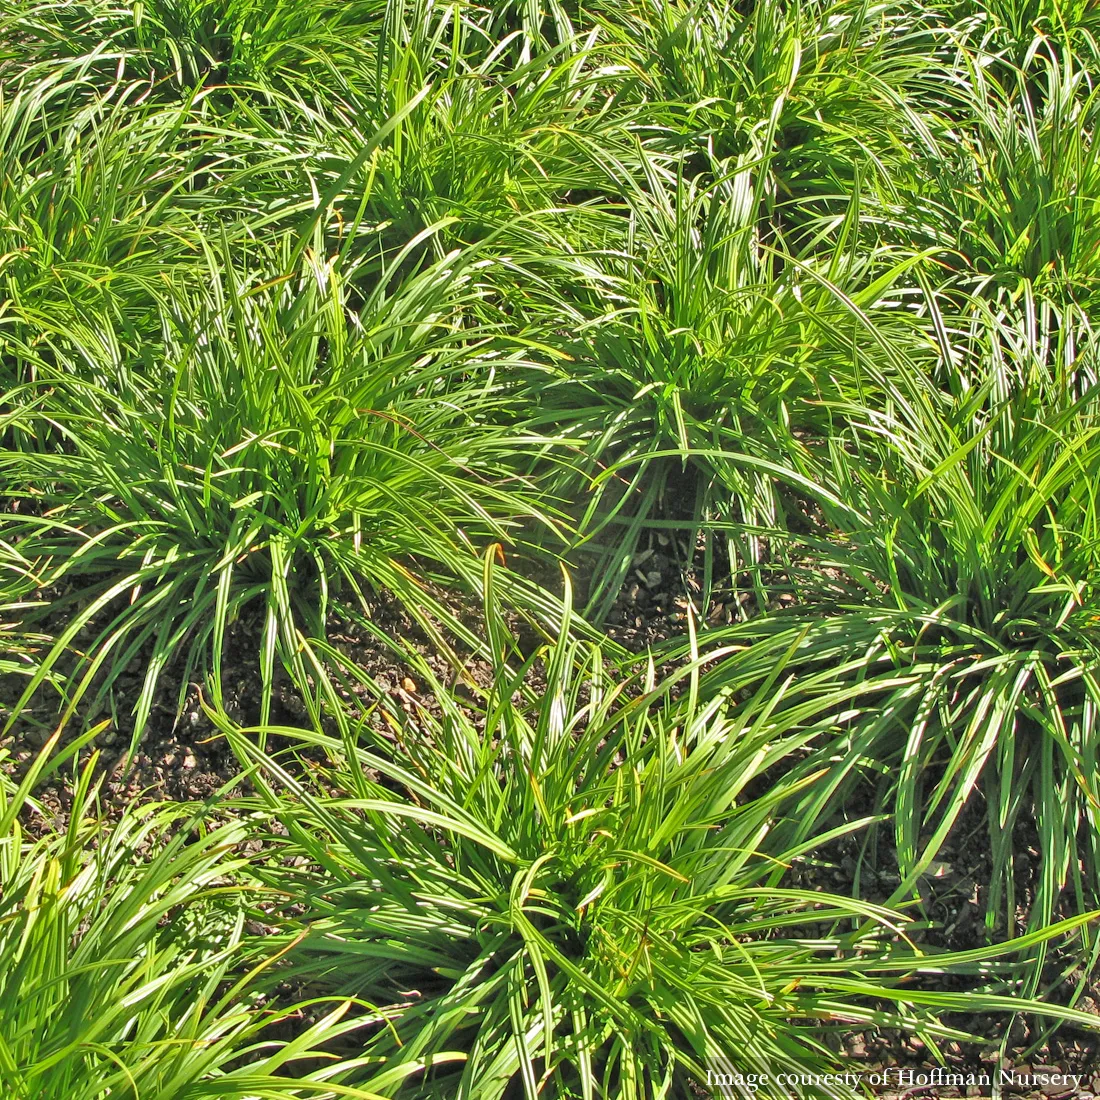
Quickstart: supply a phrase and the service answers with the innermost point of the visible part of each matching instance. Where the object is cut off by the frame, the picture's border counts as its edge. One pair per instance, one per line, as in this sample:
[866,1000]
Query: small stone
[937,869]
[188,760]
[653,578]
[408,684]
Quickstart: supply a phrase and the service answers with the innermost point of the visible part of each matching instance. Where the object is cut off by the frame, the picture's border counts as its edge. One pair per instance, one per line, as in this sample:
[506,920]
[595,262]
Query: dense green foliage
[337,329]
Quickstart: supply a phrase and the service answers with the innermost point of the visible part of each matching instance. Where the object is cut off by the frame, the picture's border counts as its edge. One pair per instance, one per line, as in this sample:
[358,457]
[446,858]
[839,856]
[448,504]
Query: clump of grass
[957,565]
[177,46]
[273,448]
[1014,180]
[691,334]
[127,966]
[572,891]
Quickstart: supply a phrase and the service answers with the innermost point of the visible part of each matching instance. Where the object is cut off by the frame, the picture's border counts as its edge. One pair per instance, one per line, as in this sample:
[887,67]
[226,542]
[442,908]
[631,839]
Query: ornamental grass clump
[126,965]
[274,449]
[1011,184]
[956,566]
[694,333]
[576,889]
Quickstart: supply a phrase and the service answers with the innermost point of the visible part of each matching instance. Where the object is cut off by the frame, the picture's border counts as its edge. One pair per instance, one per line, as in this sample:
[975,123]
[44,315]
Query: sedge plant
[274,450]
[575,889]
[127,966]
[956,566]
[692,332]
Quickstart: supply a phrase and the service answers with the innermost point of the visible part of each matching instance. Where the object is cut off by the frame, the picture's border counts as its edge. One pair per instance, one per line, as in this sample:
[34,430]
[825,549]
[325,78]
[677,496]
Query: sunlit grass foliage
[308,310]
